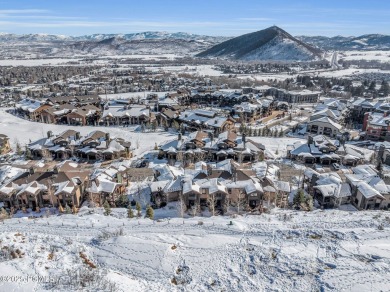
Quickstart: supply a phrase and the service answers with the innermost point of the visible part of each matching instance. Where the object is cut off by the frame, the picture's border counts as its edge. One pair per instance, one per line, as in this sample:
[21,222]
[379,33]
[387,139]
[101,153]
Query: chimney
[108,137]
[381,152]
[309,140]
[179,136]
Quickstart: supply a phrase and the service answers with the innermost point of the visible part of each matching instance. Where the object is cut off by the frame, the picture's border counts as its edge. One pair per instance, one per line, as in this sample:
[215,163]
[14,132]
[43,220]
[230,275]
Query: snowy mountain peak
[272,43]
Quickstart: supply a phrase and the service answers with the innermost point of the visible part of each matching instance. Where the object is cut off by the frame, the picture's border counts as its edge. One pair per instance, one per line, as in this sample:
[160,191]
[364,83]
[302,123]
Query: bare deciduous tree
[212,201]
[195,209]
[181,206]
[241,202]
[227,203]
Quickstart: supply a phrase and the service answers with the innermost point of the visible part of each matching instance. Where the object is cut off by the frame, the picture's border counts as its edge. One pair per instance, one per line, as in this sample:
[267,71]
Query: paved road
[334,60]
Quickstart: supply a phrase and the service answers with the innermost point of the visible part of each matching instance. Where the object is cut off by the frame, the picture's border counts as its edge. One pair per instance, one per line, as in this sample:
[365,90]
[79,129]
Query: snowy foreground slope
[283,251]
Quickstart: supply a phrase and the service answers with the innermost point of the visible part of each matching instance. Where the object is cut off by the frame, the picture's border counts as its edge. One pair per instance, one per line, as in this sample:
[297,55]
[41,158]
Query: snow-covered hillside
[272,43]
[280,49]
[285,251]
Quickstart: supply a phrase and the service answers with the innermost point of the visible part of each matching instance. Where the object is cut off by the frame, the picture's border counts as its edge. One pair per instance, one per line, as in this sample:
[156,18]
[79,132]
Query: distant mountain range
[272,43]
[47,45]
[149,35]
[364,42]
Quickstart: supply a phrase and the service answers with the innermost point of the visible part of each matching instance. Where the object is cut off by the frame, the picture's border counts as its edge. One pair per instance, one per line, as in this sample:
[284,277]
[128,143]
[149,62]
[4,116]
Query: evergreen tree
[27,153]
[309,203]
[149,213]
[68,210]
[242,128]
[130,212]
[372,85]
[379,166]
[281,133]
[18,149]
[123,201]
[107,209]
[299,198]
[261,156]
[138,208]
[385,88]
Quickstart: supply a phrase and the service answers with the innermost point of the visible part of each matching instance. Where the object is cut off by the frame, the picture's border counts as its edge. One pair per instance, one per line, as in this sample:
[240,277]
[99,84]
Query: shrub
[107,209]
[149,213]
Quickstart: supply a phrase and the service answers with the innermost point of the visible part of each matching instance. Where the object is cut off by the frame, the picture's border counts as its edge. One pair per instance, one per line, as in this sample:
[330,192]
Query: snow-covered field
[143,56]
[22,131]
[382,56]
[36,62]
[350,72]
[201,70]
[329,250]
[99,59]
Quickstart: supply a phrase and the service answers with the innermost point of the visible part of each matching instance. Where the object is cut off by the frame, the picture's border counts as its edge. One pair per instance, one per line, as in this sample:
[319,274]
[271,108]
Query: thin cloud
[255,19]
[22,11]
[147,24]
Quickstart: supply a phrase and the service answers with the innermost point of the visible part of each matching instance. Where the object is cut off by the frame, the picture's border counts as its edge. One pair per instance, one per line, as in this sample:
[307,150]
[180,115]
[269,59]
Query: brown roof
[65,135]
[220,174]
[94,136]
[54,109]
[61,99]
[88,99]
[200,135]
[84,110]
[40,177]
[169,113]
[231,136]
[244,174]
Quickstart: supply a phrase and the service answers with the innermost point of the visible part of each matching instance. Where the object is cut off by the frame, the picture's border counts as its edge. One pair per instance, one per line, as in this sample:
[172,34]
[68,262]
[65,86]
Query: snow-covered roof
[368,191]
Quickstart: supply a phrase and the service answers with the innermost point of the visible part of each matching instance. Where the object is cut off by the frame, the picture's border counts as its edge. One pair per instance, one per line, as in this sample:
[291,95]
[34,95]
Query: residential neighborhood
[194,146]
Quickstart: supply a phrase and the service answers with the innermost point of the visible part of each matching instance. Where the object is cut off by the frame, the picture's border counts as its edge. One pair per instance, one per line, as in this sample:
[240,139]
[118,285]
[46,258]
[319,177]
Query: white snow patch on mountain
[280,49]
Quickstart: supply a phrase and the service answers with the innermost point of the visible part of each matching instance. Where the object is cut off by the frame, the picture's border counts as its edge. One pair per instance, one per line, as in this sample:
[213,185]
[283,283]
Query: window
[229,191]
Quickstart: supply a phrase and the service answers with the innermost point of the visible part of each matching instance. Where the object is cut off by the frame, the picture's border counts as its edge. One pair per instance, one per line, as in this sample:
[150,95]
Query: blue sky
[210,17]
